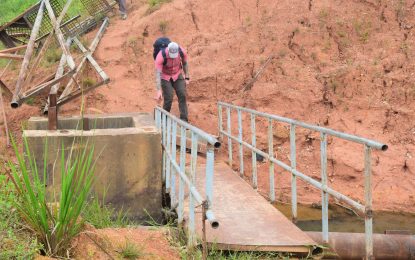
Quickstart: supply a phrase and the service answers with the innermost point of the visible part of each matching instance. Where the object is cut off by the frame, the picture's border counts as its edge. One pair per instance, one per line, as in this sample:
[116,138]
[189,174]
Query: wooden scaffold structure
[37,45]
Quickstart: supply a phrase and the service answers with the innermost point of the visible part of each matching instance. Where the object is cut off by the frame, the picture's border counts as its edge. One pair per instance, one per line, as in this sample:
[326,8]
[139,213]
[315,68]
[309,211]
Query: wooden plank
[11,56]
[5,119]
[5,90]
[36,90]
[6,39]
[18,48]
[28,55]
[53,113]
[247,220]
[91,60]
[78,93]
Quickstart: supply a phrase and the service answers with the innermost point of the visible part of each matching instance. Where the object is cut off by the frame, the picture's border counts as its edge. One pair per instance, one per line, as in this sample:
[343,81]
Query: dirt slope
[347,65]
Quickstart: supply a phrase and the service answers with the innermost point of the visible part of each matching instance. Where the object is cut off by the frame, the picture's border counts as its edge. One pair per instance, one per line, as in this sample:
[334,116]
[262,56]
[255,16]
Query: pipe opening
[384,147]
[214,224]
[217,144]
[14,104]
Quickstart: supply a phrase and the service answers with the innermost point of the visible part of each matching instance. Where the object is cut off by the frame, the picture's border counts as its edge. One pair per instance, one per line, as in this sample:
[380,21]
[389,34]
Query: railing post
[228,114]
[163,138]
[241,151]
[324,195]
[182,169]
[254,167]
[210,160]
[271,164]
[368,204]
[168,146]
[193,162]
[173,172]
[220,121]
[293,177]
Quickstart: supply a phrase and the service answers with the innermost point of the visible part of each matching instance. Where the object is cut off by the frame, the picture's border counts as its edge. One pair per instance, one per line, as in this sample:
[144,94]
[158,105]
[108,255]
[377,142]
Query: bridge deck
[247,220]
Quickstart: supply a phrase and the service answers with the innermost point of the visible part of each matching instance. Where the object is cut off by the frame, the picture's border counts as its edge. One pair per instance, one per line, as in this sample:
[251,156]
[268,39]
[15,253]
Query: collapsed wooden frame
[69,93]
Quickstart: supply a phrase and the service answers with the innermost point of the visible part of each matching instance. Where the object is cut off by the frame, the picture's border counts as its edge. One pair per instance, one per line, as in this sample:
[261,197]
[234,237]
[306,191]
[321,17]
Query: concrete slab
[128,154]
[247,220]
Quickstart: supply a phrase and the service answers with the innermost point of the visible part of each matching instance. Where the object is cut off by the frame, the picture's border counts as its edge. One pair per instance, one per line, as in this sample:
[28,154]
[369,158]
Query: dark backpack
[160,45]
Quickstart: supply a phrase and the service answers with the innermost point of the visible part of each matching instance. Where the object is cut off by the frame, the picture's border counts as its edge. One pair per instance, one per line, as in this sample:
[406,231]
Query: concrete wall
[127,152]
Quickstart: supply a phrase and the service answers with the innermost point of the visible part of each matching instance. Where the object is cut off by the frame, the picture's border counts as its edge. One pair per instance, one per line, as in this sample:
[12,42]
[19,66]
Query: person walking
[170,62]
[123,8]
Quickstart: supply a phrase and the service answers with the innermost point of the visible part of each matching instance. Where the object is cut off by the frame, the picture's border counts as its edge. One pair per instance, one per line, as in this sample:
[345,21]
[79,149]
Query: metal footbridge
[220,208]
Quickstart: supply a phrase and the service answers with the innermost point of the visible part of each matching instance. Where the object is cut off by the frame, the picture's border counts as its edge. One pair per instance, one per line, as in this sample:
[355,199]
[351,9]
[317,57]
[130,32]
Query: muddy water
[344,220]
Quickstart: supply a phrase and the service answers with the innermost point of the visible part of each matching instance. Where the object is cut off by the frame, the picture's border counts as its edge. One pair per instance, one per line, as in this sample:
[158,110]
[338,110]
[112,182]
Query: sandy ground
[348,66]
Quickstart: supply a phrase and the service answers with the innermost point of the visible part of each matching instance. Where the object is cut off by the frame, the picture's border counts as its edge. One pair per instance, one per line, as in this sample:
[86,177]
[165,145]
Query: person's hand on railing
[159,95]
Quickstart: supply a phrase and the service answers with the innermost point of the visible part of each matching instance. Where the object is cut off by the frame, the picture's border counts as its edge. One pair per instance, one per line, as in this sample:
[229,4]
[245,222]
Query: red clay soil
[103,244]
[151,243]
[345,65]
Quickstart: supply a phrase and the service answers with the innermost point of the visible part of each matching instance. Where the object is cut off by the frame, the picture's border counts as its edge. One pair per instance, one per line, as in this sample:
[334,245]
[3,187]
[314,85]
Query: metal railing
[365,209]
[169,126]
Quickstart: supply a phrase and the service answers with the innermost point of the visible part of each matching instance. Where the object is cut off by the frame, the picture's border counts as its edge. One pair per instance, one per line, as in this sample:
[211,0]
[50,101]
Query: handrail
[169,125]
[349,137]
[365,209]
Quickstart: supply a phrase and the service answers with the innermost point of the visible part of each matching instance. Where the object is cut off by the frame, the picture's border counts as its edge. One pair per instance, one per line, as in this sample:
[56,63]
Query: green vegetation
[88,82]
[12,8]
[15,240]
[163,25]
[154,5]
[130,250]
[362,28]
[53,224]
[100,215]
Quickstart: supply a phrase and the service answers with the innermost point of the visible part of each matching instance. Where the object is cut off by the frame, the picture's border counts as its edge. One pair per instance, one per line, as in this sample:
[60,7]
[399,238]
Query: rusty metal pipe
[385,246]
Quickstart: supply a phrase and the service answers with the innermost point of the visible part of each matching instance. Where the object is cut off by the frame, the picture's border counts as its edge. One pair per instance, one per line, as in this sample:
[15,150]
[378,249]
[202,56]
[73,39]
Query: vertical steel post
[193,162]
[271,164]
[241,151]
[254,167]
[293,177]
[368,204]
[210,160]
[324,195]
[193,156]
[173,172]
[220,120]
[157,118]
[182,169]
[228,113]
[168,146]
[191,227]
[163,138]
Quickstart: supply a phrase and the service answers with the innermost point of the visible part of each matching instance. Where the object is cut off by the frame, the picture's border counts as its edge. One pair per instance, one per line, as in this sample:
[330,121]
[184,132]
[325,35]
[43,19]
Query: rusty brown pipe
[352,245]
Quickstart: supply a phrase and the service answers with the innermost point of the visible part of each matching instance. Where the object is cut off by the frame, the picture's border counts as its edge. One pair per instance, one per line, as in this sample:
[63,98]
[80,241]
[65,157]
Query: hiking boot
[123,16]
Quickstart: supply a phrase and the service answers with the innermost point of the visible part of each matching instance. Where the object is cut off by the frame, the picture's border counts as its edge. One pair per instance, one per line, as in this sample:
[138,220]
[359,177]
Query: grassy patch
[100,215]
[15,241]
[154,5]
[362,29]
[163,25]
[54,224]
[129,250]
[88,82]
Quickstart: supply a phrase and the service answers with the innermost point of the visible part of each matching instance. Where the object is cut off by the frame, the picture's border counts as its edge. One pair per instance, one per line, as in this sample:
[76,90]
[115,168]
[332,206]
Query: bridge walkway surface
[248,222]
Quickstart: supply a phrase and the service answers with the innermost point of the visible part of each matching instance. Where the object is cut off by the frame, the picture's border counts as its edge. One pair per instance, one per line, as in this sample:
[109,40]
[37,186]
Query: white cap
[173,50]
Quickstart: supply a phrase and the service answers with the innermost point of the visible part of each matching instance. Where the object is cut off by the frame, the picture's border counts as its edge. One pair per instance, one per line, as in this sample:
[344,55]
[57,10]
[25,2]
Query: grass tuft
[56,223]
[130,250]
[100,215]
